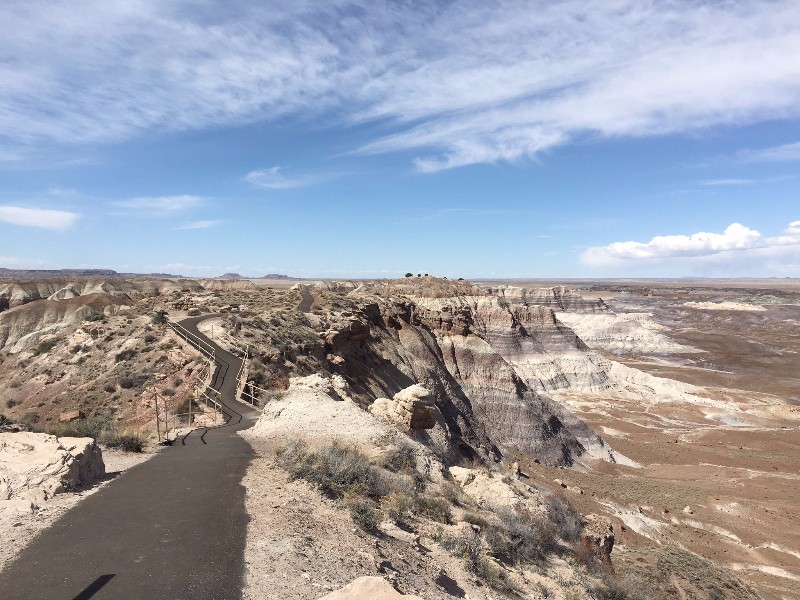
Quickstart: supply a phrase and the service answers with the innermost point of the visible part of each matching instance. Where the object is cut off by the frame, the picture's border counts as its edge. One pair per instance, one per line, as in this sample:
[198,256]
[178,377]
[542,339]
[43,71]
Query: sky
[581,138]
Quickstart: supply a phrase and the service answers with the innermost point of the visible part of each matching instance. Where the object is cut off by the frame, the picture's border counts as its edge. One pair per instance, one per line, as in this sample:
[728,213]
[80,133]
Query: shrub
[398,506]
[194,312]
[110,388]
[126,382]
[475,519]
[11,403]
[565,518]
[76,348]
[92,427]
[123,441]
[92,317]
[363,515]
[150,338]
[337,469]
[167,392]
[468,546]
[125,355]
[44,347]
[437,509]
[399,459]
[159,317]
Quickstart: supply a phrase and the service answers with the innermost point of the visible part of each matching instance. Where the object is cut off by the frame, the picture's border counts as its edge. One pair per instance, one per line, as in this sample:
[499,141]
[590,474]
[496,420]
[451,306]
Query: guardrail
[195,341]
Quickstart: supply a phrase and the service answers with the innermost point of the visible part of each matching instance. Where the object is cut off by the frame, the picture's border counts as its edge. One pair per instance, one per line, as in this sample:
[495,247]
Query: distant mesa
[28,274]
[277,276]
[230,276]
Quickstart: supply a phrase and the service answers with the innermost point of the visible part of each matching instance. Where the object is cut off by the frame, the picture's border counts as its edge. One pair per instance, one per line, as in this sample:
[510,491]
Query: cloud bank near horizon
[738,249]
[457,84]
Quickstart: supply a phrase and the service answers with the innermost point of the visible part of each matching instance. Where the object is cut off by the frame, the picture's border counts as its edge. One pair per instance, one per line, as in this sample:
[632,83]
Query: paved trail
[172,527]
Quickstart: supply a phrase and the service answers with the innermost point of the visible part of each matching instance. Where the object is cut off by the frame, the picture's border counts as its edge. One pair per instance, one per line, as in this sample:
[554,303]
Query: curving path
[171,527]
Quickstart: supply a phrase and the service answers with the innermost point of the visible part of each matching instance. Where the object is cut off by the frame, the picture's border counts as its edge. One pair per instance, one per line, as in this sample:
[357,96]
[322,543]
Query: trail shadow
[94,587]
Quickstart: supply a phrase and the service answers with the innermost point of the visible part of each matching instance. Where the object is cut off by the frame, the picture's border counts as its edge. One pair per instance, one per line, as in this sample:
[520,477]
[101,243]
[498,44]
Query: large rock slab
[368,588]
[36,466]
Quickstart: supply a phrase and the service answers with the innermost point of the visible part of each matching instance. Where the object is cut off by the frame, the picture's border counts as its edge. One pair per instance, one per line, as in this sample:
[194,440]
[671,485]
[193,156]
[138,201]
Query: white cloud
[784,153]
[273,179]
[737,250]
[208,224]
[161,204]
[715,182]
[460,83]
[38,217]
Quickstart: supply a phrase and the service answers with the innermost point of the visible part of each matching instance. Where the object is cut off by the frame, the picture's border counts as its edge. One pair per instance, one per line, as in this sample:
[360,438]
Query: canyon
[669,408]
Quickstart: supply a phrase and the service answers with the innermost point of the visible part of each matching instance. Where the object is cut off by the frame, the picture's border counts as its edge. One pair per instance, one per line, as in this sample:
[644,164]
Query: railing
[195,341]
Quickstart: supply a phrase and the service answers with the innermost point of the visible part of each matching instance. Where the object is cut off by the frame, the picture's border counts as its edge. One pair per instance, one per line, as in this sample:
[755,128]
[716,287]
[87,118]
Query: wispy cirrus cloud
[782,153]
[273,179]
[738,247]
[457,84]
[163,205]
[42,218]
[207,224]
[723,182]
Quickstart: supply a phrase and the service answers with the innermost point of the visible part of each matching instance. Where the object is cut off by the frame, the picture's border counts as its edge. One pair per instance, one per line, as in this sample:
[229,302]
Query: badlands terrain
[479,419]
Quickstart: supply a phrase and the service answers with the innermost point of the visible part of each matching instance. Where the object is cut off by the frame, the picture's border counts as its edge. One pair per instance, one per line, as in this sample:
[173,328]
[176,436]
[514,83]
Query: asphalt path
[171,527]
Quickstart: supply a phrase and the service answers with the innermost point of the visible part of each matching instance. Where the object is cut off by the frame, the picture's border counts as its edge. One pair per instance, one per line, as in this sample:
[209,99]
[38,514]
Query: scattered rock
[70,416]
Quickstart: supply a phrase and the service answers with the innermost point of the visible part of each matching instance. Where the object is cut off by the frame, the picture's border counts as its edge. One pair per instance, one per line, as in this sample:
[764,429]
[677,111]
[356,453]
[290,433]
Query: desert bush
[337,469]
[123,441]
[520,537]
[44,347]
[76,348]
[619,589]
[110,388]
[159,317]
[11,403]
[364,515]
[126,382]
[194,312]
[150,338]
[469,547]
[167,392]
[475,519]
[398,505]
[399,459]
[92,427]
[565,518]
[92,317]
[125,355]
[437,509]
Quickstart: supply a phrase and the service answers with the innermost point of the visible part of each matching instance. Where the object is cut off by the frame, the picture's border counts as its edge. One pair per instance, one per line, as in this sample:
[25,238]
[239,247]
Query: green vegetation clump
[102,430]
[44,347]
[125,355]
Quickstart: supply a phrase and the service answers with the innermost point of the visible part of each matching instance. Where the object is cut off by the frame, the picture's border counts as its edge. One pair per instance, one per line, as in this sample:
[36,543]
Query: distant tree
[409,274]
[419,274]
[426,275]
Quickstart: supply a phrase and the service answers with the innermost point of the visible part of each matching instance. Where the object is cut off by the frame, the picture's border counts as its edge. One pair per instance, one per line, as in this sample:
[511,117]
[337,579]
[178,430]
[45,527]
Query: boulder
[411,408]
[368,588]
[38,466]
[598,536]
[70,416]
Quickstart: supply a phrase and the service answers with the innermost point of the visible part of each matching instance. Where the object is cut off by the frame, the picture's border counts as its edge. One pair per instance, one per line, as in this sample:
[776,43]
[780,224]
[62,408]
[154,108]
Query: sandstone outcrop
[558,298]
[598,536]
[411,408]
[368,588]
[36,466]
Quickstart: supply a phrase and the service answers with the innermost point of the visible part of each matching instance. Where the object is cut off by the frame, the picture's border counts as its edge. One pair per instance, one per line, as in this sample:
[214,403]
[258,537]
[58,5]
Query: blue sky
[362,139]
